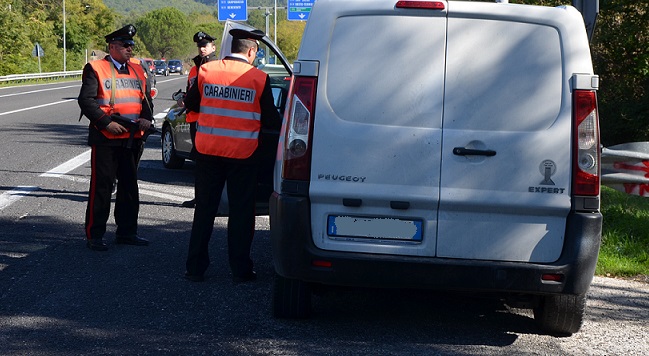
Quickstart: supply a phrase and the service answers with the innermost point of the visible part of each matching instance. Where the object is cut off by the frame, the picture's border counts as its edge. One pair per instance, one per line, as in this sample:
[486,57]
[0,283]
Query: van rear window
[387,70]
[503,76]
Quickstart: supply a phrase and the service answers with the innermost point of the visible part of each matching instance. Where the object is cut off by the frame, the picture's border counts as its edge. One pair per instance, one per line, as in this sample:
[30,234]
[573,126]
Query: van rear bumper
[294,254]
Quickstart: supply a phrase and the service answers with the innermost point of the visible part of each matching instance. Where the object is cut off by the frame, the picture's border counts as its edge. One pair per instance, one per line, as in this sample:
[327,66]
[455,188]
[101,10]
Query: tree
[15,47]
[289,36]
[165,32]
[621,55]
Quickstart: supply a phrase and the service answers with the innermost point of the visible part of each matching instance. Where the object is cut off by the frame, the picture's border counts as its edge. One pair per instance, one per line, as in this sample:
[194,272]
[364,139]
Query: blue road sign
[236,10]
[299,10]
[38,51]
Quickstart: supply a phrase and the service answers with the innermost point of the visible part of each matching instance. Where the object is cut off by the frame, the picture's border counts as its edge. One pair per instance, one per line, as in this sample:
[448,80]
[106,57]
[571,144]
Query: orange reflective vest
[128,93]
[230,113]
[191,80]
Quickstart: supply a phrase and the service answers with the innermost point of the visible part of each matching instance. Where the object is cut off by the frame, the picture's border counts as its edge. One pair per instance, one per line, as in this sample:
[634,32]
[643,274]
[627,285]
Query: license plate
[375,228]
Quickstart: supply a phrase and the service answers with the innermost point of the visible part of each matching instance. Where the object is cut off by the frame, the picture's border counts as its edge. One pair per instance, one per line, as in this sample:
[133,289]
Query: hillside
[127,7]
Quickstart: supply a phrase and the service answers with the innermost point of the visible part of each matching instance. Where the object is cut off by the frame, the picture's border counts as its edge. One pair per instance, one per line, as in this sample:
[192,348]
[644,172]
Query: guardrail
[32,76]
[625,167]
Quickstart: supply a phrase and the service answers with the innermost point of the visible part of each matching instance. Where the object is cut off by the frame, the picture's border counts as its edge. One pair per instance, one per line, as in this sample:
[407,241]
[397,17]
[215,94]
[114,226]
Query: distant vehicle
[150,77]
[149,62]
[175,66]
[161,67]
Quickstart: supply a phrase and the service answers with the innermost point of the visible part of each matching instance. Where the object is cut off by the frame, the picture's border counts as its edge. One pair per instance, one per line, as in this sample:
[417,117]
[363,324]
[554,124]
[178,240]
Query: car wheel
[561,314]
[291,298]
[169,157]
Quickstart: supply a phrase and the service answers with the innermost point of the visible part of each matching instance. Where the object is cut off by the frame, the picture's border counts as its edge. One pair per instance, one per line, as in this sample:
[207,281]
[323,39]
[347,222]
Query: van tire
[291,298]
[561,314]
[170,158]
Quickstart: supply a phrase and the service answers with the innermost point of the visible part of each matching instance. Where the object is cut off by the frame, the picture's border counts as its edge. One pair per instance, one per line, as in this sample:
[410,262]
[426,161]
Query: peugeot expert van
[445,145]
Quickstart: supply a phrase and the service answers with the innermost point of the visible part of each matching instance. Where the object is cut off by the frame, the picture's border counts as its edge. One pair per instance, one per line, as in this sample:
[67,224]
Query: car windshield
[159,63]
[174,63]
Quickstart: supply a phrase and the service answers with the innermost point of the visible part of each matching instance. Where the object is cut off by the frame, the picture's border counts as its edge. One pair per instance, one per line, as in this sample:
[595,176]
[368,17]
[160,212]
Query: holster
[131,125]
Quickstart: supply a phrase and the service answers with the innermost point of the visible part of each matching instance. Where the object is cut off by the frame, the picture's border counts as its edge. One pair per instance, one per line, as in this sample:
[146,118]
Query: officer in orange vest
[115,99]
[206,53]
[234,101]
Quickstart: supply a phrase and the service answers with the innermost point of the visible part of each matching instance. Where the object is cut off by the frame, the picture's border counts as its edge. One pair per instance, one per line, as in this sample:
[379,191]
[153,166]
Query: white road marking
[8,198]
[162,191]
[39,90]
[68,166]
[36,107]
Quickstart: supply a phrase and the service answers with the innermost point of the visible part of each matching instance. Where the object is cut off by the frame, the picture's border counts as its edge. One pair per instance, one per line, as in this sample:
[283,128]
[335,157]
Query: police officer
[114,98]
[234,101]
[206,53]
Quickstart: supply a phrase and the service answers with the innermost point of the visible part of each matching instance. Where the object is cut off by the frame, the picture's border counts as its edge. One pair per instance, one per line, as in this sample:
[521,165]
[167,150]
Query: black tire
[170,159]
[291,298]
[561,314]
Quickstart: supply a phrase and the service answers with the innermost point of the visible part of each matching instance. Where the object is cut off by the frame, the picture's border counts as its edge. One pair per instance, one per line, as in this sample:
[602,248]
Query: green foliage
[13,36]
[289,36]
[621,56]
[625,235]
[141,7]
[165,32]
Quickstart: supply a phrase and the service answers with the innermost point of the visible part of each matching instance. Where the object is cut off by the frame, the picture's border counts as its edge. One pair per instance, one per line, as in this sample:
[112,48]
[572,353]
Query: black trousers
[211,176]
[106,164]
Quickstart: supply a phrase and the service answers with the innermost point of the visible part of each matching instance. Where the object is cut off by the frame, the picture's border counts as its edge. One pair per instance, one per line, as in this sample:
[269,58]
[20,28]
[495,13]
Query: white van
[440,144]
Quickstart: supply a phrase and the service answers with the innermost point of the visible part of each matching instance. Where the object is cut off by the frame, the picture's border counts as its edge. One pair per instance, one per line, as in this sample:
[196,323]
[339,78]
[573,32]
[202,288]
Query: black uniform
[111,158]
[198,62]
[241,175]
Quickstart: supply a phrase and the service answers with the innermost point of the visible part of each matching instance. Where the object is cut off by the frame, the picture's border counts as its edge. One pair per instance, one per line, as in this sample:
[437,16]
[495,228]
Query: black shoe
[193,277]
[131,240]
[189,203]
[246,277]
[96,245]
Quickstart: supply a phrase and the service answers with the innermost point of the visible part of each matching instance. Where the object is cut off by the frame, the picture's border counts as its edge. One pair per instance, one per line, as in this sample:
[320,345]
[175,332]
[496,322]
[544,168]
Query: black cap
[247,35]
[201,38]
[124,34]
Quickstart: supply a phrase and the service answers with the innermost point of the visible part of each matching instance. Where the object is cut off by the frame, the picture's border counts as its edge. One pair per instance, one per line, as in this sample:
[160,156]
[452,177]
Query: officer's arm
[147,107]
[88,99]
[193,98]
[270,118]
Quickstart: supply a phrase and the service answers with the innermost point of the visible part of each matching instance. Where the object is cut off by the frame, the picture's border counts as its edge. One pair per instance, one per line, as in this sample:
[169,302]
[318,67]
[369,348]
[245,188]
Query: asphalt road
[59,298]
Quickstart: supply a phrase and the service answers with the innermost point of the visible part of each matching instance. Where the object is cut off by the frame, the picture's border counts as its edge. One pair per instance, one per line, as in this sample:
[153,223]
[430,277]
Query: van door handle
[461,151]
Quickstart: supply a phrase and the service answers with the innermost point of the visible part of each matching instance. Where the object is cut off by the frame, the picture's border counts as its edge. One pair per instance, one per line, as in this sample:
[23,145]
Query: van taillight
[299,126]
[431,5]
[586,144]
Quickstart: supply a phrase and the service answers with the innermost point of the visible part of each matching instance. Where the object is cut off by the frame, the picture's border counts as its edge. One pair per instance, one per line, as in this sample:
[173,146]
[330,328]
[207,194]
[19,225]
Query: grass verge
[625,235]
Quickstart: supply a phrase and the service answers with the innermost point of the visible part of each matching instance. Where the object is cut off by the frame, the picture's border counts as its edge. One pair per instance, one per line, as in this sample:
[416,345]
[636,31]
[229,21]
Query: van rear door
[377,127]
[506,155]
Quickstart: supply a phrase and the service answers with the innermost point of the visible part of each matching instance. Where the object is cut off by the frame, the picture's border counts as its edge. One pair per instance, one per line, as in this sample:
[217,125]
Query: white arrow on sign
[301,15]
[233,15]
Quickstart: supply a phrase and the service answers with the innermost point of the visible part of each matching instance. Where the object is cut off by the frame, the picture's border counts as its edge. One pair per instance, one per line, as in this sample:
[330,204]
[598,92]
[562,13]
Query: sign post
[236,10]
[38,52]
[299,10]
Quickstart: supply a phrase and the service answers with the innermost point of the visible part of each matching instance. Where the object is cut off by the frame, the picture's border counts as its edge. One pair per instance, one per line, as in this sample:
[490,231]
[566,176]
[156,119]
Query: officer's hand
[144,123]
[115,128]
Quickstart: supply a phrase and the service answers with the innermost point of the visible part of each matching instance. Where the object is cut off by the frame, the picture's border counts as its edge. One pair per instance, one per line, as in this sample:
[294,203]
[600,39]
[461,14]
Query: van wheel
[291,298]
[561,314]
[169,157]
